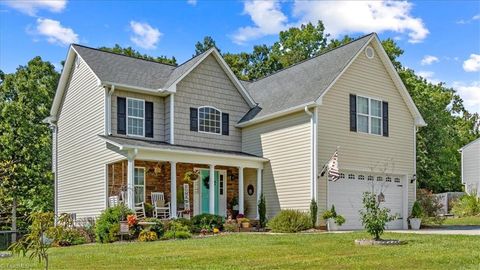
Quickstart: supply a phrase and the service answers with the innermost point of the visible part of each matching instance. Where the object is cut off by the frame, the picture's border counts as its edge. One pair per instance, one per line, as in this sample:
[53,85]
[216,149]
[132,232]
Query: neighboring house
[471,167]
[125,124]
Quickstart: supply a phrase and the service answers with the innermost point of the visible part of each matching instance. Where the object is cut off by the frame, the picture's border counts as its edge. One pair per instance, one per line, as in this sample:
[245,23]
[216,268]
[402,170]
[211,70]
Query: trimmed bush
[467,205]
[177,235]
[417,211]
[147,236]
[175,229]
[205,221]
[107,226]
[262,211]
[313,212]
[290,221]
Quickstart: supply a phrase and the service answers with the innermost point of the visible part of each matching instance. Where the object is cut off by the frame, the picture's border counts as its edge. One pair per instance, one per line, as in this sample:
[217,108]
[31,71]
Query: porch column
[240,191]
[211,186]
[130,186]
[259,189]
[173,189]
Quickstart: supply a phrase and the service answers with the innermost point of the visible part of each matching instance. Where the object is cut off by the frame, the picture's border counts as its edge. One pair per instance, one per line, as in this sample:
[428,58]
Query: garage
[346,194]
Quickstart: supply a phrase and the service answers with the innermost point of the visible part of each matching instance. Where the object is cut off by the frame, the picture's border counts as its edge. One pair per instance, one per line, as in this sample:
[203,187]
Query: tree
[129,51]
[201,47]
[25,154]
[374,218]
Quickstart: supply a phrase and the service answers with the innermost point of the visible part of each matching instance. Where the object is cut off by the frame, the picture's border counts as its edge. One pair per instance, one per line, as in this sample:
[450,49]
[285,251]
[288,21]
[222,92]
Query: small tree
[374,218]
[313,212]
[39,240]
[262,211]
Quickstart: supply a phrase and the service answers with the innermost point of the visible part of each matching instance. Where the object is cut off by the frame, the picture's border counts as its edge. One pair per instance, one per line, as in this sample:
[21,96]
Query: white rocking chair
[113,201]
[140,210]
[161,209]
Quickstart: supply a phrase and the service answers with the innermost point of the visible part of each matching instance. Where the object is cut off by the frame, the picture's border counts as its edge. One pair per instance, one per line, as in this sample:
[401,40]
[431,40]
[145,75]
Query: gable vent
[369,52]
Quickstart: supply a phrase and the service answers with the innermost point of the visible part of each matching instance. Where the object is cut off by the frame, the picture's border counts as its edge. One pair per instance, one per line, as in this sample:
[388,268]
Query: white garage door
[346,194]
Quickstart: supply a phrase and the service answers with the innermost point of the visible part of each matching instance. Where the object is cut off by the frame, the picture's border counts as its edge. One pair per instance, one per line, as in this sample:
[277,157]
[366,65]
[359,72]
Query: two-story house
[129,126]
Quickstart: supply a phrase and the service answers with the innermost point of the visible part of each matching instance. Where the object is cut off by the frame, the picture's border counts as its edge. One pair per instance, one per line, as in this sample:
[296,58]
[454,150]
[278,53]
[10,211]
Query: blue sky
[441,39]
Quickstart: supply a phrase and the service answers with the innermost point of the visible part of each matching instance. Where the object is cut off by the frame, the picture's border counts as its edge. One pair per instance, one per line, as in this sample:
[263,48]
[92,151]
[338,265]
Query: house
[129,126]
[471,167]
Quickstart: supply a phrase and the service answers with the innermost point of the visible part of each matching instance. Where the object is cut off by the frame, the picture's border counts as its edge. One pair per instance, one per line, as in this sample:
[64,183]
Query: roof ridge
[119,54]
[193,57]
[311,58]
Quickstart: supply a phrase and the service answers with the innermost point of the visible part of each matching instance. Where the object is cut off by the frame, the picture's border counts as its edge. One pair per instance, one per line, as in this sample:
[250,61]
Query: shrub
[148,209]
[205,221]
[69,237]
[147,236]
[374,218]
[108,223]
[157,227]
[417,211]
[230,227]
[290,221]
[467,205]
[313,212]
[175,229]
[430,206]
[177,235]
[332,214]
[185,222]
[262,211]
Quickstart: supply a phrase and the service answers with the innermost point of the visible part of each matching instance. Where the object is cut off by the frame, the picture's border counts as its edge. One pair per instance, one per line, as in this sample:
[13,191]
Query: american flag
[332,167]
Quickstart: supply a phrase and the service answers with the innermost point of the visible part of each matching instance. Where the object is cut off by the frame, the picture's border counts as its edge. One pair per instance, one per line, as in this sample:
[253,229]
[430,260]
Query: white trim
[138,89]
[259,190]
[172,118]
[373,52]
[135,117]
[198,120]
[469,144]
[415,161]
[225,67]
[225,189]
[211,190]
[315,153]
[241,191]
[173,189]
[369,115]
[144,183]
[405,202]
[277,114]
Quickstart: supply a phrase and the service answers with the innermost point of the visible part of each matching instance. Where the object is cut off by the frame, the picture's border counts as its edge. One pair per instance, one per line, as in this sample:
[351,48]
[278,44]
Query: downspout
[313,154]
[54,128]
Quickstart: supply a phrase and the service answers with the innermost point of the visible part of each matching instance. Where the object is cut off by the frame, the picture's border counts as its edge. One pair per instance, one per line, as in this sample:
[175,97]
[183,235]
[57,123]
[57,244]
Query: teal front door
[205,189]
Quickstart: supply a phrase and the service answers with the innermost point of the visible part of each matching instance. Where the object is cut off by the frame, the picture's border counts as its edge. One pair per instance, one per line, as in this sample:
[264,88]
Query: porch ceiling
[154,150]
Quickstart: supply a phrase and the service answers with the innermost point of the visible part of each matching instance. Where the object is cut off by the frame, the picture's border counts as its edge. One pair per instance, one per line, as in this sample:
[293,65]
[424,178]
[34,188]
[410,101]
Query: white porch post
[130,183]
[173,189]
[211,186]
[259,189]
[240,191]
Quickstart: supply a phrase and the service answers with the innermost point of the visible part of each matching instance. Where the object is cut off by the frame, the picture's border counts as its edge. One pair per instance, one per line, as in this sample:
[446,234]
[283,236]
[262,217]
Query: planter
[245,224]
[415,223]
[331,225]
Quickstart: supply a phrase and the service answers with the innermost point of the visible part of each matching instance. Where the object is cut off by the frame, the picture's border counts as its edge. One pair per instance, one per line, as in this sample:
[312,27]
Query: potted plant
[245,222]
[334,221]
[416,216]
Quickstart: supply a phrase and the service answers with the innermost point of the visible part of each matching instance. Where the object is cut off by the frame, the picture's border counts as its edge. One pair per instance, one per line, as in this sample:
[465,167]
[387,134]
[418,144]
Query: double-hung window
[369,115]
[209,120]
[135,117]
[139,184]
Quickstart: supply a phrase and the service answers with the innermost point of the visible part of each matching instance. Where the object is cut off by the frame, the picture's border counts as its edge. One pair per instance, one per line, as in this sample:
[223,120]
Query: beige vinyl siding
[250,178]
[208,85]
[158,113]
[286,142]
[359,151]
[81,153]
[471,167]
[166,106]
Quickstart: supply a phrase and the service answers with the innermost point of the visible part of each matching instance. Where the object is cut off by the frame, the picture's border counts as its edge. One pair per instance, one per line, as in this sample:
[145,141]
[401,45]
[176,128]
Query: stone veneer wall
[160,181]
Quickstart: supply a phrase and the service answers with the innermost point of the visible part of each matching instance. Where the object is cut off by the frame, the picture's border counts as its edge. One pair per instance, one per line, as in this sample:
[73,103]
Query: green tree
[129,51]
[25,142]
[201,47]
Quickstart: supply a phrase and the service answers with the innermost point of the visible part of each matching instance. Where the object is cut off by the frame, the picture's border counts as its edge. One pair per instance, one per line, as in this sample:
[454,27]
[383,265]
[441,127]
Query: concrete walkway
[450,230]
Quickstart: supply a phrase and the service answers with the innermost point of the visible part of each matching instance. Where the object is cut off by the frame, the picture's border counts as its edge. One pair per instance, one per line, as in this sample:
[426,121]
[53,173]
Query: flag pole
[324,165]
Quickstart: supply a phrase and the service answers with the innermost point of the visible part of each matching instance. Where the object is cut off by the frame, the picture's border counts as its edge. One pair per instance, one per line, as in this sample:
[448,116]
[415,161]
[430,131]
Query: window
[379,178]
[388,179]
[361,177]
[209,120]
[135,117]
[397,180]
[139,184]
[370,178]
[369,115]
[342,176]
[351,176]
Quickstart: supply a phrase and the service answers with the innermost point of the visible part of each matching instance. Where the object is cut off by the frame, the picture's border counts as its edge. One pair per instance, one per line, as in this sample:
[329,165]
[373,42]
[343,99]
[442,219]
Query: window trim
[144,183]
[198,120]
[370,116]
[135,117]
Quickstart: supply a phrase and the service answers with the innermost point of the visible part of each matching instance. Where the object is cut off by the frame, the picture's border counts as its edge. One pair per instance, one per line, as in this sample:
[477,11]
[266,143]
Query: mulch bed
[382,242]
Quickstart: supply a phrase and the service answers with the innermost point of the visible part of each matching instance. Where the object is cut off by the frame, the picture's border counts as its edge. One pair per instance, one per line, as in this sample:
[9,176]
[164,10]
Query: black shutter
[385,118]
[193,119]
[225,124]
[148,119]
[353,112]
[121,115]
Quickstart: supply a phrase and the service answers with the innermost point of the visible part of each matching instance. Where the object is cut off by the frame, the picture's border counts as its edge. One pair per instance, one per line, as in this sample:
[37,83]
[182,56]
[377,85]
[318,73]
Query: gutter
[314,153]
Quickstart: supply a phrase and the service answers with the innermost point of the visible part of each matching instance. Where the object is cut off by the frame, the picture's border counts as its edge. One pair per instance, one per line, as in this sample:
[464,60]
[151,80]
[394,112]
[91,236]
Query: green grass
[287,251]
[463,221]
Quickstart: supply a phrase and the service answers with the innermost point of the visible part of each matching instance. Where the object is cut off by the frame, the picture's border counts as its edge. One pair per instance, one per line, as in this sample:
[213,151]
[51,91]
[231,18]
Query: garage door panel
[346,195]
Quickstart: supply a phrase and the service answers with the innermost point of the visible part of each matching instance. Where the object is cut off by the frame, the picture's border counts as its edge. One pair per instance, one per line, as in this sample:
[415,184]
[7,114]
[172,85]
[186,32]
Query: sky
[441,39]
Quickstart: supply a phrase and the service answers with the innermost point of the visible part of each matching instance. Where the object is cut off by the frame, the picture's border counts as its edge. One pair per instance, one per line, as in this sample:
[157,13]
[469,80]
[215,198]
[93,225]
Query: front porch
[236,189]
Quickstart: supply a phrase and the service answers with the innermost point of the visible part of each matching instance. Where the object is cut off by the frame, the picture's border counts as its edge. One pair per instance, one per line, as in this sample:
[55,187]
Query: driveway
[452,230]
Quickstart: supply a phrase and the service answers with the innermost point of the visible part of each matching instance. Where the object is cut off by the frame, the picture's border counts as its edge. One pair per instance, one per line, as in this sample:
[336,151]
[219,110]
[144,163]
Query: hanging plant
[191,176]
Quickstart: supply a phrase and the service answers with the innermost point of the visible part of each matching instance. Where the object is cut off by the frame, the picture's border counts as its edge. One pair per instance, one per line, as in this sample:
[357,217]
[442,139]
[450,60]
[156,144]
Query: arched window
[209,120]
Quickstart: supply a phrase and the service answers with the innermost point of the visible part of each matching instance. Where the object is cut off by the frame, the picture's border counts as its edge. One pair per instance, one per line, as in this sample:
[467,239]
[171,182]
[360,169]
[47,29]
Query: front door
[220,192]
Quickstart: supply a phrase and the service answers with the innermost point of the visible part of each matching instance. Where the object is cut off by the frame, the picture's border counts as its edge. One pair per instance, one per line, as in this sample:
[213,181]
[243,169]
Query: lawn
[260,251]
[463,221]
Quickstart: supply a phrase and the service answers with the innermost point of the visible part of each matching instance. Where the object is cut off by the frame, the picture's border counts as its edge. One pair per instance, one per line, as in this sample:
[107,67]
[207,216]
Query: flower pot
[245,224]
[331,225]
[415,223]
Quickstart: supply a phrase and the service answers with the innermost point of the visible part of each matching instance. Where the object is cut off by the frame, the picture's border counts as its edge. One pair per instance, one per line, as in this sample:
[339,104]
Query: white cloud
[145,36]
[267,17]
[470,93]
[343,17]
[192,2]
[474,18]
[428,60]
[472,64]
[55,32]
[428,75]
[31,7]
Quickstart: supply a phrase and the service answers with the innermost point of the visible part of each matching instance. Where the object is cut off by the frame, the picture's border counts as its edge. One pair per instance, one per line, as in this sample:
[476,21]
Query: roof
[470,144]
[158,145]
[303,82]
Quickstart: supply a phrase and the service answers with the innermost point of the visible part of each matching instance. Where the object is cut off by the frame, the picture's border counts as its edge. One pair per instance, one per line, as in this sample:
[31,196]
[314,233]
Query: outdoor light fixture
[414,178]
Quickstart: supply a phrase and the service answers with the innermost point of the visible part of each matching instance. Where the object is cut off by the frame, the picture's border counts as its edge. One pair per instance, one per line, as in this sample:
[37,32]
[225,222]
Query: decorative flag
[333,167]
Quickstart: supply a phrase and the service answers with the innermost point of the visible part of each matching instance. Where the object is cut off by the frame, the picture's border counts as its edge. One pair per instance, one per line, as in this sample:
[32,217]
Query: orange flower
[131,220]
